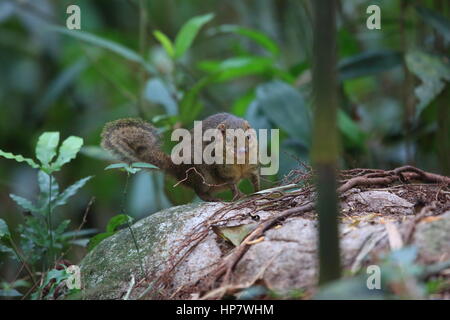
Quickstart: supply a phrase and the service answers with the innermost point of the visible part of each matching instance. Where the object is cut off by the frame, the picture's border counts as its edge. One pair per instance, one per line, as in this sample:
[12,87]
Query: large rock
[284,260]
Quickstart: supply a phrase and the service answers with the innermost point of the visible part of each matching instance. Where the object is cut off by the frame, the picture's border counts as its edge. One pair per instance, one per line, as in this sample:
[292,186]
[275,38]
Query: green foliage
[286,108]
[53,280]
[433,71]
[188,32]
[46,147]
[436,20]
[368,63]
[46,151]
[19,158]
[105,44]
[257,36]
[131,168]
[4,231]
[9,290]
[39,239]
[165,42]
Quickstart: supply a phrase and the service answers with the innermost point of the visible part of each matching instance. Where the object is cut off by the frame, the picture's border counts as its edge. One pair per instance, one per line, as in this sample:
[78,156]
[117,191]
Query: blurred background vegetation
[251,58]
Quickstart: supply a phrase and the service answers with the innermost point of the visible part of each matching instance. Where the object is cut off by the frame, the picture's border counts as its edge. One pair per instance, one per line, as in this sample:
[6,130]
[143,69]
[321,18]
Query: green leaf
[68,151]
[132,170]
[241,104]
[62,198]
[236,67]
[257,36]
[436,20]
[117,221]
[143,165]
[286,108]
[46,147]
[188,32]
[165,41]
[190,107]
[26,204]
[117,166]
[4,230]
[19,158]
[97,153]
[113,224]
[95,240]
[368,63]
[354,136]
[105,44]
[57,87]
[158,91]
[433,71]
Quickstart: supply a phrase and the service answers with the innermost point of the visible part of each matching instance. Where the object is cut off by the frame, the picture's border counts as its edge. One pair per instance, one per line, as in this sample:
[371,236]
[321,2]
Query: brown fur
[134,140]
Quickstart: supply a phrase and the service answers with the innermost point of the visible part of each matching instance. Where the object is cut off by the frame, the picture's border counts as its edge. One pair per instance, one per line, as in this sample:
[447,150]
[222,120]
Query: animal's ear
[246,124]
[222,127]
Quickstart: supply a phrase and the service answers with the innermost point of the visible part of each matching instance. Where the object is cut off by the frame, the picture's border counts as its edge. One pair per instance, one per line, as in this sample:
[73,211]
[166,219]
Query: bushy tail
[134,140]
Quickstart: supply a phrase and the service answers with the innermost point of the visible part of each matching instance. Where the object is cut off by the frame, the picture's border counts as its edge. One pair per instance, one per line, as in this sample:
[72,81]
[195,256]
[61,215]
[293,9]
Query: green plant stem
[22,260]
[124,198]
[49,217]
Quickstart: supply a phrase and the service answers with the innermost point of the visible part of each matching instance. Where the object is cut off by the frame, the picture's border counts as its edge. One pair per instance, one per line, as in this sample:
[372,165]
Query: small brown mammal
[134,140]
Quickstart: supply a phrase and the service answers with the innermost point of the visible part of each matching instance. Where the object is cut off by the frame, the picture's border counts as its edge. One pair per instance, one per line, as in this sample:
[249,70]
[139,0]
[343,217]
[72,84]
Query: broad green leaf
[26,204]
[257,36]
[165,42]
[157,91]
[188,32]
[95,240]
[436,20]
[286,108]
[132,170]
[106,44]
[236,67]
[62,198]
[62,227]
[68,151]
[117,166]
[433,71]
[46,147]
[78,233]
[241,104]
[19,158]
[4,230]
[117,221]
[368,63]
[353,135]
[143,165]
[235,234]
[57,87]
[97,153]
